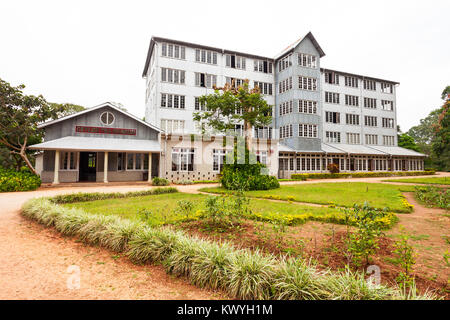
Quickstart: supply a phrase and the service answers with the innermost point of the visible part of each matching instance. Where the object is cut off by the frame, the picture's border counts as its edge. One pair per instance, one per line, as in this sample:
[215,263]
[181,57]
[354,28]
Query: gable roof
[292,46]
[106,104]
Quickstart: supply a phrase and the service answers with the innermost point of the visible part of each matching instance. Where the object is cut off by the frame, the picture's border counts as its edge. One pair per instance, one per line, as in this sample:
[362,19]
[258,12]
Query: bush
[160,182]
[333,168]
[371,174]
[83,197]
[24,180]
[433,196]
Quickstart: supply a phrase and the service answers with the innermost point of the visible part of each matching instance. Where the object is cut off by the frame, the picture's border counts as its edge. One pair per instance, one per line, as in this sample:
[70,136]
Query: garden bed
[372,174]
[434,180]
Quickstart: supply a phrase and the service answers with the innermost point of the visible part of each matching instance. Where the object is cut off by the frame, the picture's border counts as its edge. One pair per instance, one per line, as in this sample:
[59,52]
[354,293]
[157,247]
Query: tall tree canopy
[20,115]
[441,141]
[230,106]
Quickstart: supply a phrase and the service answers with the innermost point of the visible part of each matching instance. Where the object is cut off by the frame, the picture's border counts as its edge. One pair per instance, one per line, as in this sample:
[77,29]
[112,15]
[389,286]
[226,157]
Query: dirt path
[34,262]
[429,228]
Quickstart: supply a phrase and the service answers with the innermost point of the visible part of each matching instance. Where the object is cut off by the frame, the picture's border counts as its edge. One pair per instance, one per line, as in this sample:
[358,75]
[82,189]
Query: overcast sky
[89,52]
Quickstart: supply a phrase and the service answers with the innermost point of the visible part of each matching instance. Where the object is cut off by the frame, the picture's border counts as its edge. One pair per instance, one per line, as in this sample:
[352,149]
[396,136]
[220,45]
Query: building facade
[320,115]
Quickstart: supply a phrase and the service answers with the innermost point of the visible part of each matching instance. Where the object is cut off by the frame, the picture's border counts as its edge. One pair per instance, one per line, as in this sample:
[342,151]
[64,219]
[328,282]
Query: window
[173,51]
[307,130]
[331,97]
[205,80]
[172,101]
[352,119]
[107,118]
[353,138]
[205,56]
[307,60]
[172,126]
[263,132]
[284,63]
[388,123]
[351,82]
[351,100]
[387,105]
[262,66]
[235,82]
[369,85]
[388,140]
[370,121]
[261,157]
[371,139]
[173,75]
[306,83]
[198,105]
[333,136]
[68,161]
[264,87]
[286,131]
[332,117]
[387,87]
[331,78]
[370,103]
[219,159]
[307,106]
[234,61]
[135,161]
[182,159]
[285,85]
[286,107]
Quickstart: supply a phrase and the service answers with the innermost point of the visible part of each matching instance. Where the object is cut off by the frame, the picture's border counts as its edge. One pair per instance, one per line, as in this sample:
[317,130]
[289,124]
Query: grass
[343,194]
[163,207]
[436,180]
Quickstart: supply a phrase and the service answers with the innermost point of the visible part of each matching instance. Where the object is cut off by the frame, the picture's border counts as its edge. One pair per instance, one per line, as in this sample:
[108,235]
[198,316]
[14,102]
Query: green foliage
[433,196]
[441,141]
[185,207]
[364,241]
[83,197]
[406,141]
[304,176]
[156,181]
[223,212]
[406,259]
[241,273]
[23,180]
[184,182]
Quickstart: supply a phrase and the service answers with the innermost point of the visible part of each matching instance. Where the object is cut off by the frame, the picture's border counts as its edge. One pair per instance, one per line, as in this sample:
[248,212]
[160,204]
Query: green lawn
[163,208]
[343,194]
[437,180]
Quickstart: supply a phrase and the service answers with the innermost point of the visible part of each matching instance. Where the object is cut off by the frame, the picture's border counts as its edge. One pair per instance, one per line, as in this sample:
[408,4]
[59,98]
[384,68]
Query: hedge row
[83,197]
[24,180]
[304,176]
[241,273]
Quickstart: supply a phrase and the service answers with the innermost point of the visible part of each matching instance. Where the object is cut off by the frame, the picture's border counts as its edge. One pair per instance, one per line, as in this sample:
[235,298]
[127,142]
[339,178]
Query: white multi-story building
[320,115]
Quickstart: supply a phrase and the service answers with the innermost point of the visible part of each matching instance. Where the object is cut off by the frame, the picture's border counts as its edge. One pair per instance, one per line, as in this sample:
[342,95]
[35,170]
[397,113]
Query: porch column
[105,168]
[56,174]
[149,167]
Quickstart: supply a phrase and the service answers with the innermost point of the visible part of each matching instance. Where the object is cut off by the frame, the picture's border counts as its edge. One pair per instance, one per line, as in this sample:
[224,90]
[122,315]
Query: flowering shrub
[23,180]
[333,168]
[304,176]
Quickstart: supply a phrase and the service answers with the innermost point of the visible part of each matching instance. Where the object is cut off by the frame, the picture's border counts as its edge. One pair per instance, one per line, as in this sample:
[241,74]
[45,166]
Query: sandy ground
[34,260]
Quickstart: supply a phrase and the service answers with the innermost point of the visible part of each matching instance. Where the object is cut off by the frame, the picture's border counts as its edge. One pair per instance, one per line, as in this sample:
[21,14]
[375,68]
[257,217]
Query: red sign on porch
[101,130]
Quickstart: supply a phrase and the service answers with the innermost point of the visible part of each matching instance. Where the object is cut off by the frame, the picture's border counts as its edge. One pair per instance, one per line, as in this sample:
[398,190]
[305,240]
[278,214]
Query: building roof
[292,46]
[357,75]
[284,148]
[99,144]
[106,104]
[330,149]
[355,149]
[153,40]
[398,151]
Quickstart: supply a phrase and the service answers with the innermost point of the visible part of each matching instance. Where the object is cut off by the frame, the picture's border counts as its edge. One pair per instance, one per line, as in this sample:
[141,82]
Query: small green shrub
[23,180]
[406,258]
[156,181]
[433,196]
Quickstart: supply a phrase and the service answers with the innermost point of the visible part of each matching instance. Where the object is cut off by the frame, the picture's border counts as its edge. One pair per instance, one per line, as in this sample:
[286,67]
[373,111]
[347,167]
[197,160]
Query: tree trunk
[248,135]
[23,155]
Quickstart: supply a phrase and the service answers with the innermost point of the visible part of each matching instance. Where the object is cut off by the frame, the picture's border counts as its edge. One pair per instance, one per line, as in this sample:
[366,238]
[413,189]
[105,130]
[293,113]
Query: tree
[445,93]
[19,116]
[441,141]
[230,106]
[65,109]
[406,141]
